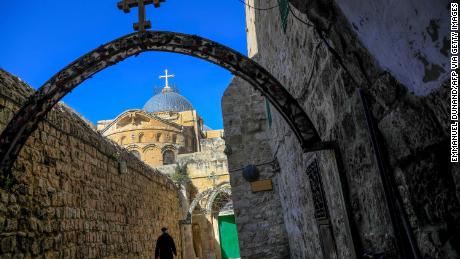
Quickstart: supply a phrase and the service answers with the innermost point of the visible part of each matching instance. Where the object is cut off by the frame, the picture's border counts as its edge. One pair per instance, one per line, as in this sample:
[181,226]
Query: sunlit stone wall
[77,194]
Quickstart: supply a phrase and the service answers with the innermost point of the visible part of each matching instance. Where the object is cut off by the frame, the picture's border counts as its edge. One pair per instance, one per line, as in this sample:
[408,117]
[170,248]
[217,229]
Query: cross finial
[166,76]
[143,24]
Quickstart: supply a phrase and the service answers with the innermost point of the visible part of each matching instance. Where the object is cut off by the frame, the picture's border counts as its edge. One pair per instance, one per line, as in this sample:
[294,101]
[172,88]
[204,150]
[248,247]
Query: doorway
[229,245]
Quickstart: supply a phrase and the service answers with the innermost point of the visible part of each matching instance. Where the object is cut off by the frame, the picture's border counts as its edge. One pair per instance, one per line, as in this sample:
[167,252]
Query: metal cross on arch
[142,24]
[26,120]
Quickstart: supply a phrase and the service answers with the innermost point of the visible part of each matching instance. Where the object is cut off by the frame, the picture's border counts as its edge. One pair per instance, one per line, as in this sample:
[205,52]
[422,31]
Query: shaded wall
[76,194]
[413,131]
[259,217]
[410,39]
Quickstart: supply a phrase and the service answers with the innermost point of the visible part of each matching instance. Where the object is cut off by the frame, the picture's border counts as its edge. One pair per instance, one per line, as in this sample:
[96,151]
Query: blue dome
[167,101]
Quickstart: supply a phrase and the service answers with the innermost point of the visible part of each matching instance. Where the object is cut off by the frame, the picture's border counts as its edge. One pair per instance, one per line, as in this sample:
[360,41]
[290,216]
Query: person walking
[165,247]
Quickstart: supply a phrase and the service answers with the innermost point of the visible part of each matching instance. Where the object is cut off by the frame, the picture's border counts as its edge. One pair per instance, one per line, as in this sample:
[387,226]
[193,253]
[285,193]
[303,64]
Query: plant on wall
[180,174]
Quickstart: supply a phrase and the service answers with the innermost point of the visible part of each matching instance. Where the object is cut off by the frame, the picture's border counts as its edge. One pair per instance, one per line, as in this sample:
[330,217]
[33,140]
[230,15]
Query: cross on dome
[168,100]
[166,76]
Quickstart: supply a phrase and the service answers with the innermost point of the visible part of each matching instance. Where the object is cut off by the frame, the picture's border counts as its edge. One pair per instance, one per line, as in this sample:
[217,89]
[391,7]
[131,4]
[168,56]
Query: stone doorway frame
[26,120]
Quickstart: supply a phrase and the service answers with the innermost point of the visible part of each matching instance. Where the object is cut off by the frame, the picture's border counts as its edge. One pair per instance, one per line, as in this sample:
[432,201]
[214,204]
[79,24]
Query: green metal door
[228,237]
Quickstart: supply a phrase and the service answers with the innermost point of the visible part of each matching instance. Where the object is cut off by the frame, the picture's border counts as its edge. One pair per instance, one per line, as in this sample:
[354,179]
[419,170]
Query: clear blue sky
[40,37]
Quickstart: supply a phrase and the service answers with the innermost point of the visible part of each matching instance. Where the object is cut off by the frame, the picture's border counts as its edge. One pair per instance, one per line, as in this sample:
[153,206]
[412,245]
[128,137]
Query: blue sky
[40,37]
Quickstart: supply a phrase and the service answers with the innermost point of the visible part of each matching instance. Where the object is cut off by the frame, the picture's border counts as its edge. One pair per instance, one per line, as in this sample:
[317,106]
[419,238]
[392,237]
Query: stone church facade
[166,126]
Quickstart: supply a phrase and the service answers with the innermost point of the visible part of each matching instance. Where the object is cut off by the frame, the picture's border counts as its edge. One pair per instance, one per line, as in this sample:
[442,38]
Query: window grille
[316,185]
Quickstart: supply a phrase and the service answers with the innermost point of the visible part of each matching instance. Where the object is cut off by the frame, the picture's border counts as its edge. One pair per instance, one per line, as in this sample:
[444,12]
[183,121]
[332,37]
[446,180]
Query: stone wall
[209,163]
[202,166]
[259,217]
[76,194]
[410,39]
[413,133]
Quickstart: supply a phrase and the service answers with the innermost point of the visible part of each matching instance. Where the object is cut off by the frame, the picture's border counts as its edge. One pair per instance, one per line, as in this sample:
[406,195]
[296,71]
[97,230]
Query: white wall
[408,38]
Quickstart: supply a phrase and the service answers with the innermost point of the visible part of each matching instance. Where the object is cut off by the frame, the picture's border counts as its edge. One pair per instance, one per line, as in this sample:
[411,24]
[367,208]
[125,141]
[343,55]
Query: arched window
[158,136]
[122,140]
[136,153]
[168,157]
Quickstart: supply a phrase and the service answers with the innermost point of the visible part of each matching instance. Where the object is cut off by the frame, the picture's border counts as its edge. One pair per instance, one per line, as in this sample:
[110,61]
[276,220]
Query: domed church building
[167,126]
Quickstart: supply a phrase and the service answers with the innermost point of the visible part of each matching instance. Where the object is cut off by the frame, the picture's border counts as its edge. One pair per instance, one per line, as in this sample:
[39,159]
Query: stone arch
[212,198]
[168,147]
[135,150]
[40,103]
[209,195]
[149,146]
[132,146]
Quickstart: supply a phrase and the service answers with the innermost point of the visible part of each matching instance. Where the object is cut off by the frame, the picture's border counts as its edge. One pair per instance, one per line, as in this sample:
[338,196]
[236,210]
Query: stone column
[215,228]
[186,228]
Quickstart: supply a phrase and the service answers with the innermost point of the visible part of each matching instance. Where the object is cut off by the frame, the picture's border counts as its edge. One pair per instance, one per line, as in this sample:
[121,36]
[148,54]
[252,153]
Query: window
[158,137]
[141,137]
[122,140]
[174,138]
[168,157]
[136,153]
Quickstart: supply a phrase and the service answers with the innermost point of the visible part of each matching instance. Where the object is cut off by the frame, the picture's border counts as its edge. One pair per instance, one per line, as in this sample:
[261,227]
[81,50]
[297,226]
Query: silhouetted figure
[165,247]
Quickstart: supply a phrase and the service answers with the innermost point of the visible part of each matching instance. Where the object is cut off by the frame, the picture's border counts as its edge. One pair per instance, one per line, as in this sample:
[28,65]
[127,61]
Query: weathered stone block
[408,131]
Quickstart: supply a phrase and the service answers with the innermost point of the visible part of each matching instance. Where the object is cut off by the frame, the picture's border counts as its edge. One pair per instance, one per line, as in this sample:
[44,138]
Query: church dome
[167,101]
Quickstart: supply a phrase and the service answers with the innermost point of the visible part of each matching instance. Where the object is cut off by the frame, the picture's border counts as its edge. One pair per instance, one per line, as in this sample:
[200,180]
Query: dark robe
[165,247]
